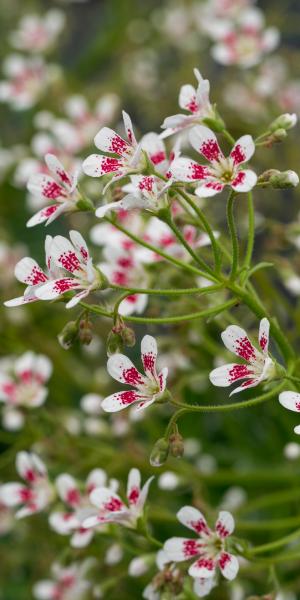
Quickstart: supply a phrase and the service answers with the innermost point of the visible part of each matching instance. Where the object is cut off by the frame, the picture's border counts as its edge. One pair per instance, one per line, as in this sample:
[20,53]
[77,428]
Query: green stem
[233,235]
[206,226]
[276,544]
[169,292]
[168,219]
[228,136]
[168,257]
[231,406]
[251,235]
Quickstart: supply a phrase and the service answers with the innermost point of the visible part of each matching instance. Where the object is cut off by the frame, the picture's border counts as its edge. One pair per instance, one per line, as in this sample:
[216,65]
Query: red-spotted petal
[178,548]
[68,489]
[244,181]
[224,524]
[155,148]
[57,287]
[46,187]
[96,165]
[55,166]
[202,587]
[263,335]
[107,140]
[121,400]
[133,486]
[193,519]
[43,215]
[65,255]
[243,149]
[227,374]
[203,567]
[122,369]
[204,141]
[229,565]
[149,356]
[290,400]
[28,271]
[105,500]
[80,245]
[188,98]
[184,169]
[129,128]
[209,188]
[236,340]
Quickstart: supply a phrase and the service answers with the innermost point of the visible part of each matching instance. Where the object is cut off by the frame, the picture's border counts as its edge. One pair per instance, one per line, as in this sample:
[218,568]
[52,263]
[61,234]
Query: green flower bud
[176,445]
[128,336]
[285,121]
[114,343]
[68,335]
[85,331]
[159,453]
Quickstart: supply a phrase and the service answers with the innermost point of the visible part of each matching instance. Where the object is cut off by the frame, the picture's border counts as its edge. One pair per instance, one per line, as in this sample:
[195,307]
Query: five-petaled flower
[37,492]
[222,171]
[22,386]
[291,401]
[149,387]
[196,102]
[128,152]
[67,583]
[209,549]
[260,366]
[62,190]
[112,509]
[79,506]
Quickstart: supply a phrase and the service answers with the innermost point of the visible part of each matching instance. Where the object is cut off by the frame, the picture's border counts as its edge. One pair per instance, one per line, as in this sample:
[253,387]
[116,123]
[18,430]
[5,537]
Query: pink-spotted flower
[28,271]
[221,171]
[22,385]
[38,34]
[112,509]
[129,153]
[148,387]
[78,273]
[196,102]
[245,42]
[291,401]
[144,192]
[60,190]
[79,507]
[26,81]
[33,496]
[209,549]
[67,583]
[259,366]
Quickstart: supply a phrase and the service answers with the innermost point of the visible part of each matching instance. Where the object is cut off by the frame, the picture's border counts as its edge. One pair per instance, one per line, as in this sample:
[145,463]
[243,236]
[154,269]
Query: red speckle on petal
[158,157]
[36,276]
[238,154]
[132,376]
[244,349]
[53,190]
[198,171]
[26,495]
[30,475]
[192,106]
[263,342]
[113,505]
[146,184]
[297,405]
[127,397]
[149,362]
[239,178]
[64,177]
[190,548]
[239,371]
[134,495]
[200,526]
[221,530]
[64,285]
[73,496]
[206,563]
[70,261]
[224,560]
[118,145]
[210,149]
[109,165]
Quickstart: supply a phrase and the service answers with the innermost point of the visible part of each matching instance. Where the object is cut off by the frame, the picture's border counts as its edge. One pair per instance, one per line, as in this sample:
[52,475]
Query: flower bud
[176,445]
[285,121]
[114,343]
[68,335]
[85,331]
[128,336]
[85,204]
[277,136]
[285,179]
[160,453]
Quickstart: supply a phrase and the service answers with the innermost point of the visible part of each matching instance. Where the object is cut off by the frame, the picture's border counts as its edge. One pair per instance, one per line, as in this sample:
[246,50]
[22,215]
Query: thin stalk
[276,544]
[251,235]
[169,292]
[233,235]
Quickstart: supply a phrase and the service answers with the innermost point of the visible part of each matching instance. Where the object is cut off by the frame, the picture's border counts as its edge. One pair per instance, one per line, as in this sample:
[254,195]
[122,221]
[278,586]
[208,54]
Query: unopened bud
[277,136]
[285,121]
[68,335]
[128,336]
[114,343]
[85,204]
[160,453]
[176,445]
[284,179]
[85,332]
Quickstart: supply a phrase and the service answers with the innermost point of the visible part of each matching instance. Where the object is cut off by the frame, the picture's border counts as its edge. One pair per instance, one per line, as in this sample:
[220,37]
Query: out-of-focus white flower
[113,555]
[27,79]
[168,481]
[292,451]
[38,34]
[67,583]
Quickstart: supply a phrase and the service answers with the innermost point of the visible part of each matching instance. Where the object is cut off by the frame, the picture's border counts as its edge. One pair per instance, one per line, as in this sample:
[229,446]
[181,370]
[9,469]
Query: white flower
[260,366]
[209,548]
[291,401]
[36,494]
[112,509]
[149,387]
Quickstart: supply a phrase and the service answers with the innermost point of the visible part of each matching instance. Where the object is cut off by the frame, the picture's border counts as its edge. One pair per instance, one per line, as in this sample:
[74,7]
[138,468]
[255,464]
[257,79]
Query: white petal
[107,140]
[178,549]
[236,340]
[263,335]
[202,587]
[290,400]
[227,374]
[121,400]
[245,181]
[97,165]
[149,356]
[122,369]
[128,128]
[229,565]
[204,141]
[193,519]
[68,489]
[10,493]
[225,524]
[204,568]
[28,271]
[57,287]
[243,149]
